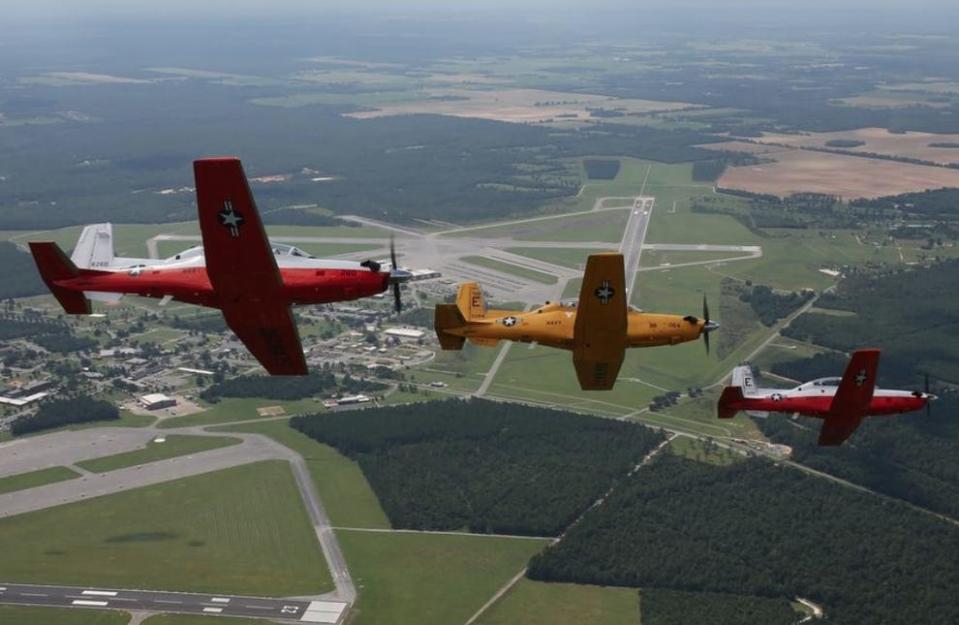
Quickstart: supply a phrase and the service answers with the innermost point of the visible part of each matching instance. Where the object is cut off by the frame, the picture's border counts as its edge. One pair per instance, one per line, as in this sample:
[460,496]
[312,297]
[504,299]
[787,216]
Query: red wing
[835,430]
[270,334]
[242,267]
[854,394]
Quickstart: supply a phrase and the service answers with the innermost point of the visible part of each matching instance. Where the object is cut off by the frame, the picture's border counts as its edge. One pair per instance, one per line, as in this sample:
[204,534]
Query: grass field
[429,579]
[239,409]
[342,487]
[175,445]
[601,226]
[23,481]
[509,268]
[539,603]
[241,531]
[28,615]
[575,258]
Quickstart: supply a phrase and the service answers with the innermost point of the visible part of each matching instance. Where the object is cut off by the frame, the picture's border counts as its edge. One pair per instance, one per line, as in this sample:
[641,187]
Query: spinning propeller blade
[397,303]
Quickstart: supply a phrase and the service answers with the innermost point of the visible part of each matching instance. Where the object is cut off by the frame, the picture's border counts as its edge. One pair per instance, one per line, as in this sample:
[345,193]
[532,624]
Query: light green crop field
[195,619]
[429,579]
[574,258]
[23,481]
[607,225]
[699,416]
[346,495]
[539,603]
[29,615]
[243,530]
[509,268]
[462,370]
[174,446]
[239,409]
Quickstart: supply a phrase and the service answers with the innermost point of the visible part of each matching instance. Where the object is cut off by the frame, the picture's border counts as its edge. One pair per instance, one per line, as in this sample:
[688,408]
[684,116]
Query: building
[405,333]
[156,401]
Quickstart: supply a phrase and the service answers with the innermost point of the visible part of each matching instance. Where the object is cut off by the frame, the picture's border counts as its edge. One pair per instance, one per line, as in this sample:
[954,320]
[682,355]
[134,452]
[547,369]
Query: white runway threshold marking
[92,604]
[99,593]
[219,600]
[323,612]
[213,610]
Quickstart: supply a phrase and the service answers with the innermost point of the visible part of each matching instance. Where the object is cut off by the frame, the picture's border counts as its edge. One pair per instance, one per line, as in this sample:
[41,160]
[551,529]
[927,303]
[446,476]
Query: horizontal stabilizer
[447,316]
[54,267]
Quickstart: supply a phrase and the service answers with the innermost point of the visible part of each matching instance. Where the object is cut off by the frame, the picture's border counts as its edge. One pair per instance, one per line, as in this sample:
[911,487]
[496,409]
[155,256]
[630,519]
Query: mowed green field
[539,603]
[28,615]
[567,257]
[175,445]
[243,530]
[346,495]
[606,225]
[23,481]
[429,579]
[508,268]
[239,409]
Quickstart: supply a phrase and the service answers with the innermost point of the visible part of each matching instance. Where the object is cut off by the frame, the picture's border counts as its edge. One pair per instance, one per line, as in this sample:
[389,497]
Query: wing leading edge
[599,335]
[242,268]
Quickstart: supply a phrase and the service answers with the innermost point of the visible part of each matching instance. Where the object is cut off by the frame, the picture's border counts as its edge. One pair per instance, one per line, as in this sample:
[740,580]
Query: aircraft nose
[710,325]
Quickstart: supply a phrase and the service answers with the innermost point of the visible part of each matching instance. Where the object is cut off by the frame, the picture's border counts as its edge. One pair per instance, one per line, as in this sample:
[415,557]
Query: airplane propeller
[928,396]
[397,276]
[708,324]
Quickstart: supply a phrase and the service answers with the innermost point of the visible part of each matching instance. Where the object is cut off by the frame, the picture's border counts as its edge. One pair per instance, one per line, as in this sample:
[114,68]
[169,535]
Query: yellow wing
[599,335]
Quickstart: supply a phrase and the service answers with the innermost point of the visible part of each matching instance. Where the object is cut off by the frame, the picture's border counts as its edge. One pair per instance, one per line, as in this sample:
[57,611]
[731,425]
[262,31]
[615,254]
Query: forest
[484,466]
[287,387]
[755,528]
[912,456]
[940,204]
[56,413]
[771,306]
[19,277]
[909,313]
[54,336]
[659,606]
[601,168]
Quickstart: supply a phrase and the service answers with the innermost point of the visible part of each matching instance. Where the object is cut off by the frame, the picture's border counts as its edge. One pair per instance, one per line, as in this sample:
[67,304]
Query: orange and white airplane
[253,281]
[598,329]
[842,403]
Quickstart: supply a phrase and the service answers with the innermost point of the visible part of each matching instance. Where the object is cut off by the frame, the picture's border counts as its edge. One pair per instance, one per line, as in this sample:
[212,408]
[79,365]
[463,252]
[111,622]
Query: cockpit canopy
[279,249]
[833,381]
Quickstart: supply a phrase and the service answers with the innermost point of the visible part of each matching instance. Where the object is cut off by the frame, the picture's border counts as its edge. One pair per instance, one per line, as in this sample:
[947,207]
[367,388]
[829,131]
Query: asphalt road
[188,603]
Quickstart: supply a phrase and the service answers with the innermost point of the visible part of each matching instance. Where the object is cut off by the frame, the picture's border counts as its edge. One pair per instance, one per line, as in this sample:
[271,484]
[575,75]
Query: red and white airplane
[237,270]
[842,403]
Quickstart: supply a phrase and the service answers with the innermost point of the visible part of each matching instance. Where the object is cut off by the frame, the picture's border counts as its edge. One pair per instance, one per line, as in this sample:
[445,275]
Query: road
[187,603]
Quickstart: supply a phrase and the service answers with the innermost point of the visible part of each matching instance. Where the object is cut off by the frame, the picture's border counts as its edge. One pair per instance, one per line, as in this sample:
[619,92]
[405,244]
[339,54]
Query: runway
[186,603]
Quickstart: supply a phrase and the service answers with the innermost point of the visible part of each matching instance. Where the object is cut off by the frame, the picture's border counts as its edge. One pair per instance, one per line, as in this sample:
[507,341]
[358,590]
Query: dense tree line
[940,204]
[287,387]
[671,607]
[59,412]
[483,466]
[756,528]
[601,168]
[52,335]
[910,314]
[19,277]
[200,322]
[771,306]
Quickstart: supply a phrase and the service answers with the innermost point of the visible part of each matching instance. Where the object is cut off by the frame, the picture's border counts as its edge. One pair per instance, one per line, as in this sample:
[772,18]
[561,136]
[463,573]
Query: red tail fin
[729,400]
[54,267]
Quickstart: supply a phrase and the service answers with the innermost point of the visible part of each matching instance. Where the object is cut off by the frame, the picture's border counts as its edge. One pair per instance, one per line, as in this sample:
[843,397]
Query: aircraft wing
[599,334]
[853,397]
[242,268]
[858,384]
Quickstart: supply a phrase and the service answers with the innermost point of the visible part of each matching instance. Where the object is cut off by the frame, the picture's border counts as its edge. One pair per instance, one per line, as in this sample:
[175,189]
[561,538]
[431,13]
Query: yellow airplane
[598,329]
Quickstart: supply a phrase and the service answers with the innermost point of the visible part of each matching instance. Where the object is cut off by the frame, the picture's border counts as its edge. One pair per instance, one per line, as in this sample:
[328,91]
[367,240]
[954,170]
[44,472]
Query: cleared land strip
[380,530]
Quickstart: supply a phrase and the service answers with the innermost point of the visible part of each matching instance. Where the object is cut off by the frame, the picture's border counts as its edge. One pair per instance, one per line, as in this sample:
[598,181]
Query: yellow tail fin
[469,301]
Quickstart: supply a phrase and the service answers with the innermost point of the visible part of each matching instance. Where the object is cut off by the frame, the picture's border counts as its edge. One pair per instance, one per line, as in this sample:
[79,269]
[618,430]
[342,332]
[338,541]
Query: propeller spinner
[397,276]
[708,324]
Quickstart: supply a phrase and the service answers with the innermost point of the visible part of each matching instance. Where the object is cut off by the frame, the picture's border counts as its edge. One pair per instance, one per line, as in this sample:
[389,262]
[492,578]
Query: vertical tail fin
[469,301]
[55,267]
[448,316]
[729,402]
[94,248]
